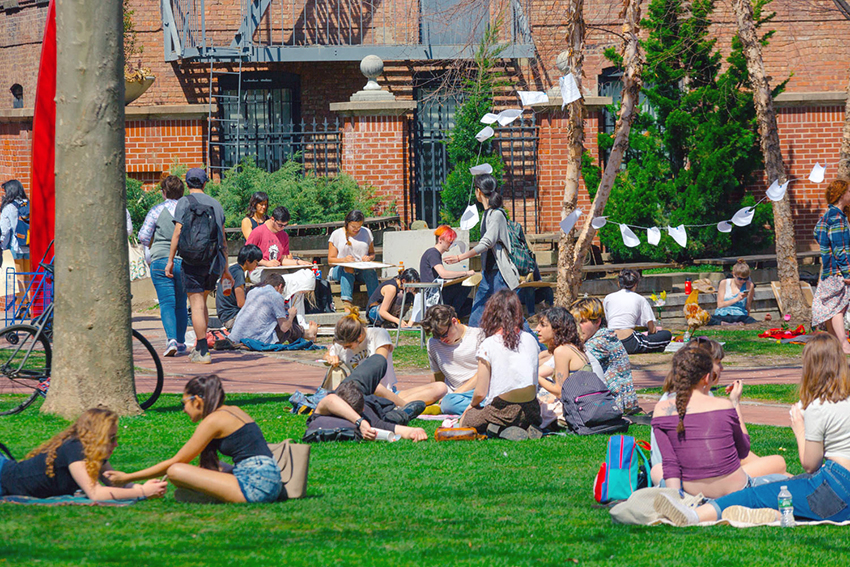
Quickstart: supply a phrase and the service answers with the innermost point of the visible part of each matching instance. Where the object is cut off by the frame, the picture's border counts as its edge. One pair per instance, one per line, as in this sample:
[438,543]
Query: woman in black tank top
[256,213]
[381,303]
[254,476]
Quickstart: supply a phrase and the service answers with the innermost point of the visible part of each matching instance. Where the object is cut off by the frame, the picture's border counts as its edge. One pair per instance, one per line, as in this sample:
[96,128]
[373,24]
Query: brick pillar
[552,156]
[375,150]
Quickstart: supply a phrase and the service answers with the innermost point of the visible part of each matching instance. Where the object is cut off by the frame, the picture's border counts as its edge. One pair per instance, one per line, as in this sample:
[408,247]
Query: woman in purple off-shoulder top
[702,438]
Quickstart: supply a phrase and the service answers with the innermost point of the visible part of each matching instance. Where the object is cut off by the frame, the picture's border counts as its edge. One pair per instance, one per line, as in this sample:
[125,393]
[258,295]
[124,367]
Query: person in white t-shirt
[352,243]
[453,356]
[354,342]
[625,310]
[505,392]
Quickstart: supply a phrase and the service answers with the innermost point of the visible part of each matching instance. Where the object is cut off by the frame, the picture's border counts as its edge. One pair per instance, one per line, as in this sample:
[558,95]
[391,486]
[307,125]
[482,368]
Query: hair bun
[740,261]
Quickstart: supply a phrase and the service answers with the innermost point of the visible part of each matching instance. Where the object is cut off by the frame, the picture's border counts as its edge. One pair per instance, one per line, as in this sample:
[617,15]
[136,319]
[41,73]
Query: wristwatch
[358,422]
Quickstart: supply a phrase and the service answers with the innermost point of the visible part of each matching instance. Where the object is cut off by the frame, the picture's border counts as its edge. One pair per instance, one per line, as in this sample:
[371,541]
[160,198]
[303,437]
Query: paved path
[242,371]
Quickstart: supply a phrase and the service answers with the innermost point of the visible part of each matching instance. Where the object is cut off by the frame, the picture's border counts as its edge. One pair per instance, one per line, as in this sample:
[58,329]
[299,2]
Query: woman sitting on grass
[254,476]
[355,342]
[74,460]
[821,428]
[602,343]
[752,464]
[702,438]
[505,392]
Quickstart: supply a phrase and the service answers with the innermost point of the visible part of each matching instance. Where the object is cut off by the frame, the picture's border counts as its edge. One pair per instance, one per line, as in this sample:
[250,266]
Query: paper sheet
[776,191]
[570,221]
[679,235]
[653,235]
[489,118]
[817,174]
[532,97]
[508,116]
[744,216]
[724,226]
[485,134]
[469,218]
[599,222]
[629,238]
[569,90]
[482,169]
[365,265]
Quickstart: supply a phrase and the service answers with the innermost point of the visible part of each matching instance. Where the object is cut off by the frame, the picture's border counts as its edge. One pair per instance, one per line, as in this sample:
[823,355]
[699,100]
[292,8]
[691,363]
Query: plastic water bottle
[316,271]
[786,508]
[226,286]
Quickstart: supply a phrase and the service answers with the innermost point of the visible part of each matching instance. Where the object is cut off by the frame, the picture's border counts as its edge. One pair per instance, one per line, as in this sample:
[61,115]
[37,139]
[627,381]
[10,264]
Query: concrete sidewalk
[277,373]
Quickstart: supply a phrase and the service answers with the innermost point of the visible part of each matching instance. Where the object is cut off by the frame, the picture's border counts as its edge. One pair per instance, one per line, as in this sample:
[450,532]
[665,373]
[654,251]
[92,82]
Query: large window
[258,118]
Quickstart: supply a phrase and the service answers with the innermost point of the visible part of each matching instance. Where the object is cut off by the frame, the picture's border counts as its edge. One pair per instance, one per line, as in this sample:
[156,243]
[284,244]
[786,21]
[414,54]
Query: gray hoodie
[497,241]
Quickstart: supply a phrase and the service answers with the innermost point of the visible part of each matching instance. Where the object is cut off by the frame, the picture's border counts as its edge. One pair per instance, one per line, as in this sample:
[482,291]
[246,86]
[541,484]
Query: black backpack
[589,406]
[329,428]
[199,239]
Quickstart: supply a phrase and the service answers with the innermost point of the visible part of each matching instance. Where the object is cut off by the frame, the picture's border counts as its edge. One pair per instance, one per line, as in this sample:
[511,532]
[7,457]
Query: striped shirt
[833,235]
[457,362]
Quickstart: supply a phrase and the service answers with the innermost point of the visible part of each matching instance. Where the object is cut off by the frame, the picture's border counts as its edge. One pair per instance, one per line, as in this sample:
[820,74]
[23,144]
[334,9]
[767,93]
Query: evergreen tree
[694,146]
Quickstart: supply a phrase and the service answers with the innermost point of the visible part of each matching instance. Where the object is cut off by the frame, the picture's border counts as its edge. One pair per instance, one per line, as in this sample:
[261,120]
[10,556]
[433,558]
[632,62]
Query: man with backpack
[199,237]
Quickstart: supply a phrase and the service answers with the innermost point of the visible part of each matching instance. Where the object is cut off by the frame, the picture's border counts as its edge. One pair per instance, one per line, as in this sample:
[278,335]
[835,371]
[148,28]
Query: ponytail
[350,327]
[490,188]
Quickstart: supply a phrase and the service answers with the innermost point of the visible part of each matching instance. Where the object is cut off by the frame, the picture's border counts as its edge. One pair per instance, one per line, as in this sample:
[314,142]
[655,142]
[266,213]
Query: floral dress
[612,356]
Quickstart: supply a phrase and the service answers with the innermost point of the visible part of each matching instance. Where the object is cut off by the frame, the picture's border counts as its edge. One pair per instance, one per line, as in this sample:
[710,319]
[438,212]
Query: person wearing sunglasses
[274,242]
[74,460]
[225,429]
[735,298]
[452,355]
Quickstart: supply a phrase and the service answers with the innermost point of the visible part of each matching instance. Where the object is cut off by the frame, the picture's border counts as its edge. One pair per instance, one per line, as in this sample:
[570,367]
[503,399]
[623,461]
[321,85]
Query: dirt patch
[662,360]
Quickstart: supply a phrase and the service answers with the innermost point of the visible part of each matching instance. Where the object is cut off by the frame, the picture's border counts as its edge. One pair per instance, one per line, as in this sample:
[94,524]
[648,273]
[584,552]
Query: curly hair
[93,429]
[438,317]
[564,326]
[503,314]
[826,376]
[209,389]
[350,327]
[689,367]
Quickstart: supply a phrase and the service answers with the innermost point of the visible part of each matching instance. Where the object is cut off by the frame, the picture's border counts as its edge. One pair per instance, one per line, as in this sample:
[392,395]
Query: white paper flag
[776,191]
[570,221]
[629,238]
[599,222]
[532,97]
[489,118]
[743,217]
[724,226]
[818,171]
[485,134]
[653,235]
[679,235]
[569,89]
[508,116]
[469,218]
[482,169]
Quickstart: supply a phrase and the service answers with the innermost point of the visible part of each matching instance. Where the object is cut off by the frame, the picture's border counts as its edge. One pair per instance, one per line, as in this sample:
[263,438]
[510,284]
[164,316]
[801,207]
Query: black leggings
[637,343]
[367,376]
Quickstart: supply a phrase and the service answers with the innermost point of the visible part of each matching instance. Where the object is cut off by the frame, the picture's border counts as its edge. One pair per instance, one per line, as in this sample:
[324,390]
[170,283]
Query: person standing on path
[832,232]
[199,278]
[156,234]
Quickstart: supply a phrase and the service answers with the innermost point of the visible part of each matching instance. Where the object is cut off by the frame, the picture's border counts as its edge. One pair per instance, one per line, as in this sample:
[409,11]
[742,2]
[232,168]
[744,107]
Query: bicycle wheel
[25,362]
[147,369]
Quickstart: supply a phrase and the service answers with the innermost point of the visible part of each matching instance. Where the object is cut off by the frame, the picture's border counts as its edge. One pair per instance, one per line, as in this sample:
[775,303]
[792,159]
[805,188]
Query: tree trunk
[786,247]
[92,361]
[575,135]
[844,161]
[633,65]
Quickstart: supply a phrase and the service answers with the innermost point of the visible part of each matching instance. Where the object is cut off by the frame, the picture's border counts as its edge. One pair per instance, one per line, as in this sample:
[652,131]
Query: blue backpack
[626,469]
[22,228]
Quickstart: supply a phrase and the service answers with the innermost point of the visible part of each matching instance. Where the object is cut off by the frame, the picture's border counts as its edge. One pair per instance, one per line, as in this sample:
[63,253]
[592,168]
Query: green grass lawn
[463,503]
[779,393]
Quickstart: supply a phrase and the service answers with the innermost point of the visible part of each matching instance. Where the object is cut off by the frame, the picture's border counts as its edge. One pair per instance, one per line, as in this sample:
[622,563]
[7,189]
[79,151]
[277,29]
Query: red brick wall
[374,153]
[15,143]
[154,145]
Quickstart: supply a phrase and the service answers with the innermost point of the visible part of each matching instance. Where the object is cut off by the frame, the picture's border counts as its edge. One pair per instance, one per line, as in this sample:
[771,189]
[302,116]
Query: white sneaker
[757,516]
[199,358]
[672,508]
[171,348]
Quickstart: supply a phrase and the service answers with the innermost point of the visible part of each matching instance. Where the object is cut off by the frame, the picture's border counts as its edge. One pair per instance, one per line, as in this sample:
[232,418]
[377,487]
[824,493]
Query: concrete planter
[135,88]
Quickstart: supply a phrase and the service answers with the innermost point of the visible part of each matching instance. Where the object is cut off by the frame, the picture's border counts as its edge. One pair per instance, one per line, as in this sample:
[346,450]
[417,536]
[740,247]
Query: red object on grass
[43,190]
[783,333]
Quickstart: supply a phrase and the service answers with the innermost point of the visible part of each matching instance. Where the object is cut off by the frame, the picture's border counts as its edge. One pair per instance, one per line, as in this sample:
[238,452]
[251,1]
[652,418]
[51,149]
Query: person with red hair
[431,267]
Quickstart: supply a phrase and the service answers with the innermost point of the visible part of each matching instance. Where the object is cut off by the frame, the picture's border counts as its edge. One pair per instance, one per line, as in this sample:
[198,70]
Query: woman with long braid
[702,438]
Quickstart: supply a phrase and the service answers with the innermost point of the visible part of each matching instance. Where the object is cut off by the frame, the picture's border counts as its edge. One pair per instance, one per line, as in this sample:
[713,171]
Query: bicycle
[26,362]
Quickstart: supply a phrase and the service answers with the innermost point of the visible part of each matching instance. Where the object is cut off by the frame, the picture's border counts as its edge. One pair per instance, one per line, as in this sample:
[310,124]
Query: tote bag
[294,462]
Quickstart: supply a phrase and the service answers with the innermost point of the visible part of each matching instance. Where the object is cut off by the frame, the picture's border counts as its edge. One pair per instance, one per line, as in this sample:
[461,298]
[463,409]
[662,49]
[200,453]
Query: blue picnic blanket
[66,500]
[300,344]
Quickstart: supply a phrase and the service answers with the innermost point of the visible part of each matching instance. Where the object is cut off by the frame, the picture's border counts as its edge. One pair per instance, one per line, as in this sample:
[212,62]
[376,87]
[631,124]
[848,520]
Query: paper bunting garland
[776,191]
[744,216]
[817,174]
[679,235]
[569,90]
[482,169]
[507,116]
[489,118]
[532,97]
[469,218]
[629,238]
[724,226]
[653,236]
[485,134]
[570,221]
[599,222]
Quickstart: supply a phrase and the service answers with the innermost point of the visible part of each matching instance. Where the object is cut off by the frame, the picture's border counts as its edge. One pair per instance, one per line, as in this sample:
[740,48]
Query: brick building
[291,92]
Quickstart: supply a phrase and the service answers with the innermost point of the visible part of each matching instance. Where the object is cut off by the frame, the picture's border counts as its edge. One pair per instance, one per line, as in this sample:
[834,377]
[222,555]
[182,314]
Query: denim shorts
[259,479]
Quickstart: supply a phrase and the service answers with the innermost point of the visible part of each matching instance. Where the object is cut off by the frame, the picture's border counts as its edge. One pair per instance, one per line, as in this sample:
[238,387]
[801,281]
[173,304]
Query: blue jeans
[824,495]
[259,479]
[172,299]
[346,281]
[373,315]
[3,460]
[456,402]
[491,282]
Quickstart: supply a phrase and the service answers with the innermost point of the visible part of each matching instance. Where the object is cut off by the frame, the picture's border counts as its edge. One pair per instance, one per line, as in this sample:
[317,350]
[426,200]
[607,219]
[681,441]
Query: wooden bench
[612,267]
[753,259]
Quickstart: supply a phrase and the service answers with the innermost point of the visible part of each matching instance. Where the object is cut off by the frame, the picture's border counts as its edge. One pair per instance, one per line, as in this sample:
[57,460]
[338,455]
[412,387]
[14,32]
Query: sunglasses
[189,399]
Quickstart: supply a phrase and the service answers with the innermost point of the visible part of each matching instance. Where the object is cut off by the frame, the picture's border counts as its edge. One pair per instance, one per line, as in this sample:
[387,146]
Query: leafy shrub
[140,201]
